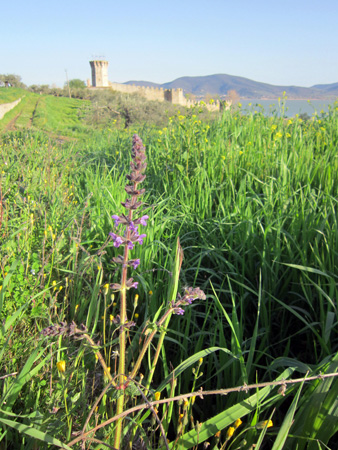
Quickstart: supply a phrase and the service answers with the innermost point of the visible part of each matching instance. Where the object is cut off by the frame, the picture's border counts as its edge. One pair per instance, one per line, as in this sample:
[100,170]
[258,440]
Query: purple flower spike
[143,220]
[134,285]
[179,311]
[140,238]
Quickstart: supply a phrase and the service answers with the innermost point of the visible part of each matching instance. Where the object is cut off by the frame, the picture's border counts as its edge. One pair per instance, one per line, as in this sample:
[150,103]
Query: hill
[221,84]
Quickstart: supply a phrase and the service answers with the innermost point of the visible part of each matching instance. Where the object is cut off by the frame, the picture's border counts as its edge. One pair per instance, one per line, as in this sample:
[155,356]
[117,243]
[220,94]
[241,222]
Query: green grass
[253,200]
[8,95]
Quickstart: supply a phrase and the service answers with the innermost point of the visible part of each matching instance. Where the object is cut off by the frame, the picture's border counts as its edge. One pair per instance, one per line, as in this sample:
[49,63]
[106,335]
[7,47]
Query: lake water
[292,107]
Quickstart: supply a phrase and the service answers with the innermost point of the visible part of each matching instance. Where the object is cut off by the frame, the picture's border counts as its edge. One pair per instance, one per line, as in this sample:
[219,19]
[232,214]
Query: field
[240,205]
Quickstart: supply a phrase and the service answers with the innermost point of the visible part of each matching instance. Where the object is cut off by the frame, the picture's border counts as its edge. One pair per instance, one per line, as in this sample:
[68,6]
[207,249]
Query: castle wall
[175,96]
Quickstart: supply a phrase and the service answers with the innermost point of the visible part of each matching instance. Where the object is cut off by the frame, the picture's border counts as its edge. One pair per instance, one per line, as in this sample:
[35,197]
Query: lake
[292,107]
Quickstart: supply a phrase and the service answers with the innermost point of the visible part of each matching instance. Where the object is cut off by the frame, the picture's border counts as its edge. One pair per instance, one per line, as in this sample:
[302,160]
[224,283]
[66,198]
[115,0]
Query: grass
[253,200]
[8,95]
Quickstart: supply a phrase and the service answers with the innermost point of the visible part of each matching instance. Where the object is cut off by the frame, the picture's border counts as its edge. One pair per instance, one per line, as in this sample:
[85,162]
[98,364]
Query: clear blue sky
[278,42]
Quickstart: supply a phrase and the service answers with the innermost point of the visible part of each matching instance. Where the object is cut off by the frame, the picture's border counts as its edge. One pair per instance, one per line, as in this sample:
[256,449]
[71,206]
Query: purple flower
[135,284]
[143,220]
[116,239]
[117,220]
[134,263]
[140,238]
[133,227]
[130,245]
[179,311]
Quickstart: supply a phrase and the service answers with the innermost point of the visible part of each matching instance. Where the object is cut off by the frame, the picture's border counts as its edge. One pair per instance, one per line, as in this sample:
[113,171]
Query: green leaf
[287,422]
[225,418]
[34,433]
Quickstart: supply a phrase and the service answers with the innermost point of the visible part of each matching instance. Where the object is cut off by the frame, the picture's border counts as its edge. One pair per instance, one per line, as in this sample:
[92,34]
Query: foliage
[76,84]
[253,200]
[12,80]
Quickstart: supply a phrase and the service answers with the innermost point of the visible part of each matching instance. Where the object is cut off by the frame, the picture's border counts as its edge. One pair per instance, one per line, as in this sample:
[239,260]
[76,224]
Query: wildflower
[238,423]
[150,292]
[190,294]
[134,263]
[111,317]
[136,301]
[61,366]
[116,239]
[116,219]
[136,316]
[179,311]
[264,423]
[157,395]
[230,432]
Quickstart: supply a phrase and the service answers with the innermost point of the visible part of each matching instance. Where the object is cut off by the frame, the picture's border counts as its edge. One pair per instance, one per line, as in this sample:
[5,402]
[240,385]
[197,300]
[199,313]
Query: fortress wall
[174,96]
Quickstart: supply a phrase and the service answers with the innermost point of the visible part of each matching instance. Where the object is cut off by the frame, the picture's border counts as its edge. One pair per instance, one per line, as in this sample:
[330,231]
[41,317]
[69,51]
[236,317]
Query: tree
[76,84]
[13,80]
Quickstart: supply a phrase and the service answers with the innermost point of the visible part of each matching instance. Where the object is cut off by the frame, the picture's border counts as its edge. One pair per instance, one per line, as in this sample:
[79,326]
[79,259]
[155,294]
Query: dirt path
[5,107]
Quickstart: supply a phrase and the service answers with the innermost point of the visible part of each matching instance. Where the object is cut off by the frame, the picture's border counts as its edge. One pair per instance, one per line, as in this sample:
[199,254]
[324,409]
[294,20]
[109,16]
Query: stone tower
[99,73]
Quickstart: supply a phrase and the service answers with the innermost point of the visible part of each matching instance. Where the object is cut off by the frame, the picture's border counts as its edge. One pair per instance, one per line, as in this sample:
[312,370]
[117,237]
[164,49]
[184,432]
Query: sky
[289,42]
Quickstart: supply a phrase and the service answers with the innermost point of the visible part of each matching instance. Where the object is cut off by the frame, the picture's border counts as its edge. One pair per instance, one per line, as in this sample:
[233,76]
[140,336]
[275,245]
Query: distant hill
[221,84]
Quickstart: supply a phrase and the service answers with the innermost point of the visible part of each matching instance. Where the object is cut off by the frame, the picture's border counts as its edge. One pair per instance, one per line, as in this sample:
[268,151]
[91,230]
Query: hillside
[221,84]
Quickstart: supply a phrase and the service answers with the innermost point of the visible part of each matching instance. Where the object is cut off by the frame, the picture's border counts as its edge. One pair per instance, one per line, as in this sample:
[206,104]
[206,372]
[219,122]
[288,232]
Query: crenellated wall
[175,96]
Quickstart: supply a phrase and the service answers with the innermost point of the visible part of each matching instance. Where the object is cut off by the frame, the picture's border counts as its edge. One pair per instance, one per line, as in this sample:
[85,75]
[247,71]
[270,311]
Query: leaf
[190,361]
[220,421]
[34,433]
[287,422]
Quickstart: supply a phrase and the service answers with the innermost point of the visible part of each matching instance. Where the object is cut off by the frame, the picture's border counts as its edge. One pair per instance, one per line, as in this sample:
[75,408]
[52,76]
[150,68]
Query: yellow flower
[279,135]
[76,308]
[106,287]
[150,292]
[241,153]
[136,316]
[264,423]
[230,432]
[200,361]
[238,423]
[61,366]
[223,157]
[157,395]
[273,128]
[111,317]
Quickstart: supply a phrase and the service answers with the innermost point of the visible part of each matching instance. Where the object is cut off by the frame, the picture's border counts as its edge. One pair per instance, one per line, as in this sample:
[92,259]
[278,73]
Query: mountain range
[221,84]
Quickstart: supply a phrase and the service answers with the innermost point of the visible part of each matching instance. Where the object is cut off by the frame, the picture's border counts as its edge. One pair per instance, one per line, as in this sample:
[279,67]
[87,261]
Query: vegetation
[240,206]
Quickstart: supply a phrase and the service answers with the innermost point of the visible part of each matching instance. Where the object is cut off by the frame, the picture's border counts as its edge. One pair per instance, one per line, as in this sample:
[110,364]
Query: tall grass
[253,200]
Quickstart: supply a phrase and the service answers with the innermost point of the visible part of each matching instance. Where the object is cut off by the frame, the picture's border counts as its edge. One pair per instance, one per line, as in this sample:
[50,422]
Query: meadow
[240,205]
